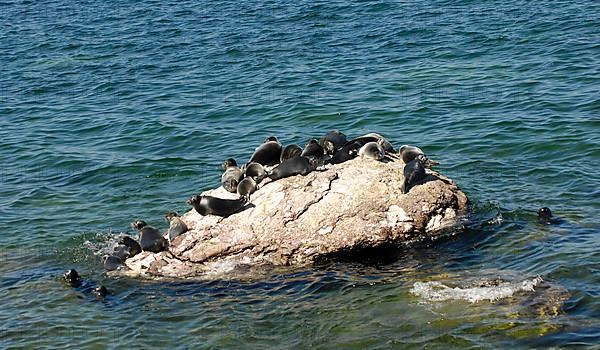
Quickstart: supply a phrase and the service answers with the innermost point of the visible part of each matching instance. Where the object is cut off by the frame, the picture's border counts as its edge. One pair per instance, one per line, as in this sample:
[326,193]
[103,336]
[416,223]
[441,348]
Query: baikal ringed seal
[414,172]
[151,239]
[267,154]
[246,187]
[208,205]
[408,153]
[176,225]
[290,151]
[232,175]
[372,150]
[332,141]
[291,167]
[313,149]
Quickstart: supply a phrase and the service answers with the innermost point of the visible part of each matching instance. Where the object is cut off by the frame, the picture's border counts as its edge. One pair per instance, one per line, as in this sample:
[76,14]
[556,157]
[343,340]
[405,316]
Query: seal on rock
[372,150]
[232,175]
[408,153]
[290,151]
[373,137]
[291,167]
[347,152]
[255,171]
[246,187]
[112,263]
[208,205]
[414,172]
[176,225]
[312,149]
[267,154]
[332,141]
[121,251]
[151,239]
[133,246]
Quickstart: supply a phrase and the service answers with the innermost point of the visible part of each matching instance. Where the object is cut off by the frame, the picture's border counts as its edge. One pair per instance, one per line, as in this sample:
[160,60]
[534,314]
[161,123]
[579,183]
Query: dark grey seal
[372,150]
[255,171]
[267,154]
[232,175]
[332,141]
[291,167]
[207,205]
[72,278]
[290,151]
[133,245]
[408,153]
[112,263]
[414,172]
[373,137]
[347,152]
[313,149]
[100,292]
[151,239]
[176,225]
[246,187]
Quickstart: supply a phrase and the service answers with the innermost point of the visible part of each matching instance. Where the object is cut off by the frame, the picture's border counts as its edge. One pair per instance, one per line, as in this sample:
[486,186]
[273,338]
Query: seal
[414,172]
[408,153]
[544,214]
[255,171]
[374,137]
[347,152]
[150,238]
[121,251]
[72,278]
[246,187]
[232,175]
[207,205]
[313,149]
[100,292]
[290,151]
[267,154]
[332,141]
[293,166]
[112,263]
[372,150]
[176,225]
[133,246]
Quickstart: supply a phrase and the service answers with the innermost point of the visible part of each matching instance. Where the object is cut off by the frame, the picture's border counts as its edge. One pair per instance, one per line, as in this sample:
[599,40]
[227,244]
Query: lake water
[112,111]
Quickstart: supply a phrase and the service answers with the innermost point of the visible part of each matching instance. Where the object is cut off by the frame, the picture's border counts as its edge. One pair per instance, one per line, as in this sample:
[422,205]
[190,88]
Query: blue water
[112,111]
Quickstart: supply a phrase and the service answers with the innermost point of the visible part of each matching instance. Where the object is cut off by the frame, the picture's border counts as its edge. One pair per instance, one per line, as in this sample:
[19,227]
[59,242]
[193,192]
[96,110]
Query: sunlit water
[112,111]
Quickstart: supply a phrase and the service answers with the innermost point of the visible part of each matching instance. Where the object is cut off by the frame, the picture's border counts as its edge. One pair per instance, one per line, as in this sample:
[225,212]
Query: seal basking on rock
[313,149]
[372,150]
[151,239]
[133,246]
[332,141]
[414,172]
[291,167]
[112,263]
[176,225]
[246,187]
[347,152]
[207,205]
[267,154]
[408,153]
[232,175]
[290,151]
[255,171]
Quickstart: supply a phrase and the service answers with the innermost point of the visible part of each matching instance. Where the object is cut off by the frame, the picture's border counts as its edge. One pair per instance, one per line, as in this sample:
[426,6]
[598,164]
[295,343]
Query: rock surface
[345,209]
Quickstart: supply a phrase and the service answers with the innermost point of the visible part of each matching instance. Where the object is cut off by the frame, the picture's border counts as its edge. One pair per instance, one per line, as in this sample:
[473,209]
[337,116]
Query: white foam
[437,291]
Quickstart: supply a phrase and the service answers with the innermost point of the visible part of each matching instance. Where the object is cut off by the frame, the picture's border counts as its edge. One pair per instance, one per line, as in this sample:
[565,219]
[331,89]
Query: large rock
[344,210]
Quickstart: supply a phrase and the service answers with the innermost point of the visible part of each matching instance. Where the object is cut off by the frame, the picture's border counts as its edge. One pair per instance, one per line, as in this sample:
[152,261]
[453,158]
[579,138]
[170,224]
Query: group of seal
[74,280]
[271,161]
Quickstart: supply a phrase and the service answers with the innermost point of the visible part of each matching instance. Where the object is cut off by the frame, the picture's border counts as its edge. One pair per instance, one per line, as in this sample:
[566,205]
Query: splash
[490,290]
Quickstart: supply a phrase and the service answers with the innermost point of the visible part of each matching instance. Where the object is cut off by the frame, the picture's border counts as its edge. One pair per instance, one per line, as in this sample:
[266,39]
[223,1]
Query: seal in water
[347,152]
[313,149]
[246,187]
[207,205]
[72,278]
[133,245]
[414,172]
[100,292]
[291,167]
[290,151]
[112,263]
[267,154]
[408,153]
[332,141]
[255,171]
[372,150]
[150,238]
[544,214]
[176,225]
[232,175]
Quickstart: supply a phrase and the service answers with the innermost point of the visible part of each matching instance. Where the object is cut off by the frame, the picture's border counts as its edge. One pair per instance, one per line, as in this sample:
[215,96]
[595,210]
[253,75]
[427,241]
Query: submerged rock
[348,208]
